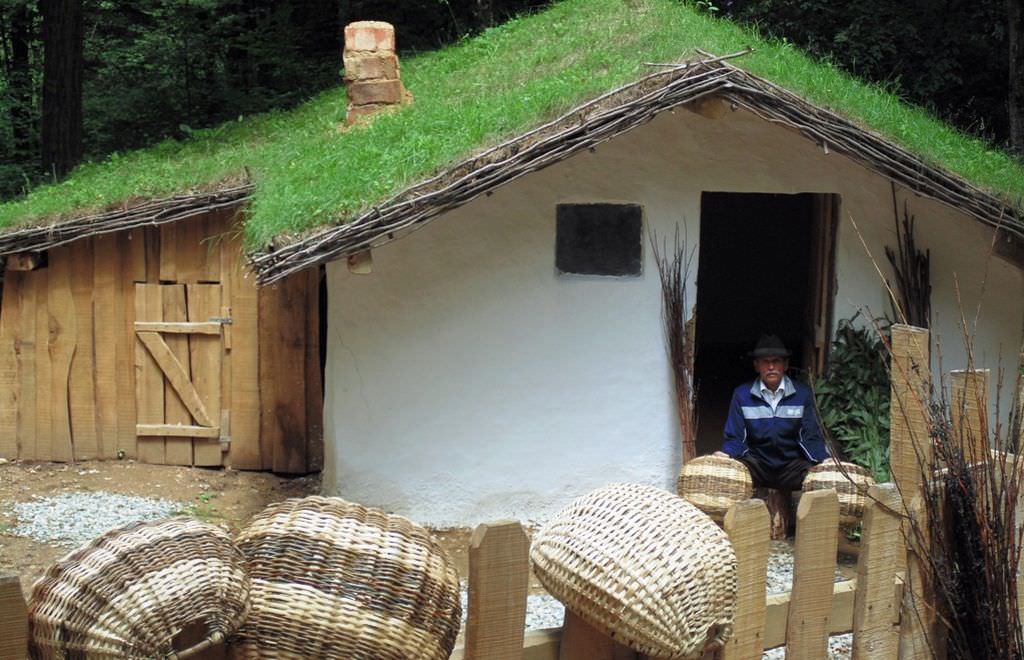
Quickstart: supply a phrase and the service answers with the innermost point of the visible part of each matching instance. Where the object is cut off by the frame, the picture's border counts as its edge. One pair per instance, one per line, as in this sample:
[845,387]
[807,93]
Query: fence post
[499,575]
[911,452]
[747,525]
[875,637]
[969,391]
[13,620]
[814,568]
[910,448]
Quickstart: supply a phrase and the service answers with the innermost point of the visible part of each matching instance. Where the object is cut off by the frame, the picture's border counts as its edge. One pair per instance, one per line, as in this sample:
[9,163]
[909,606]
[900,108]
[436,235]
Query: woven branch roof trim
[149,213]
[608,116]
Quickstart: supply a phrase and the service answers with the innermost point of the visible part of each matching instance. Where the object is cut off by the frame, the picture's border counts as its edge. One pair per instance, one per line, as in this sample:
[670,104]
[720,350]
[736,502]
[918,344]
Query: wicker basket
[714,483]
[644,566]
[852,487]
[332,579]
[128,593]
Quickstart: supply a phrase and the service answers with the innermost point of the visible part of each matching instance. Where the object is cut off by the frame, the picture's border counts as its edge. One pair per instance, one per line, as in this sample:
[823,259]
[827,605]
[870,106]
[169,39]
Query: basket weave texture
[714,483]
[852,487]
[642,565]
[333,579]
[129,592]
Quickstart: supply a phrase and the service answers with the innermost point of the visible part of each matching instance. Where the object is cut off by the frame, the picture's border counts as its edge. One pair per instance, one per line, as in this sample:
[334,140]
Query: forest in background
[81,79]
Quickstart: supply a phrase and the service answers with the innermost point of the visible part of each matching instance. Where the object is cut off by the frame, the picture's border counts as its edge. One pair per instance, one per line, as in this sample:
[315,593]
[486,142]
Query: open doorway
[766,264]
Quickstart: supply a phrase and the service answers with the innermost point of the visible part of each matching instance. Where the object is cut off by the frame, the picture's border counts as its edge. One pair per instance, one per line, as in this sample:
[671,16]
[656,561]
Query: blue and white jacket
[774,438]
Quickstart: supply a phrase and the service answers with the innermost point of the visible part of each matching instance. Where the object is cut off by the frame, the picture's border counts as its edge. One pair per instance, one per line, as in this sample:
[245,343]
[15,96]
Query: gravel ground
[72,519]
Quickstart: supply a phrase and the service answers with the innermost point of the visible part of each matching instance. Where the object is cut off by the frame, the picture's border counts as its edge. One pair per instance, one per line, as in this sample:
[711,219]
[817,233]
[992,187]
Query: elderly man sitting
[772,425]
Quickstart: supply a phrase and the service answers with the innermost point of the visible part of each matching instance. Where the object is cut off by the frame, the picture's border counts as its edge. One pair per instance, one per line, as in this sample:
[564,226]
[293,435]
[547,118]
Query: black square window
[599,239]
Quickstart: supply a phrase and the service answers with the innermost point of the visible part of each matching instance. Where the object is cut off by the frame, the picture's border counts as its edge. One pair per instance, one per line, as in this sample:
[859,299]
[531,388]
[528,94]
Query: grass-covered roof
[307,173]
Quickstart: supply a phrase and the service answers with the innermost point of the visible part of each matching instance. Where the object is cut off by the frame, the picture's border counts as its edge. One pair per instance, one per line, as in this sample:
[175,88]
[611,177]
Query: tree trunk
[19,79]
[61,131]
[1015,30]
[482,12]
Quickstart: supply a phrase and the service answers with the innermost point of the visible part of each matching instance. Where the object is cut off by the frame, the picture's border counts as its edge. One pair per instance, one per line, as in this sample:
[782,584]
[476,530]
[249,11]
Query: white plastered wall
[467,381]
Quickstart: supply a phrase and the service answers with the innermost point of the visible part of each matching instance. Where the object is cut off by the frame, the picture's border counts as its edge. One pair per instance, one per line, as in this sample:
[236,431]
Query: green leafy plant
[853,397]
[203,507]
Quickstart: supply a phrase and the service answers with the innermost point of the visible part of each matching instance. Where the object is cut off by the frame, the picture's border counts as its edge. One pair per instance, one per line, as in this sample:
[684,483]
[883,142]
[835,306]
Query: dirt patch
[224,497]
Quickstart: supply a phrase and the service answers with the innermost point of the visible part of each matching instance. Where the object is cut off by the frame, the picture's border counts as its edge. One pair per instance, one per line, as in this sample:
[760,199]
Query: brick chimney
[371,70]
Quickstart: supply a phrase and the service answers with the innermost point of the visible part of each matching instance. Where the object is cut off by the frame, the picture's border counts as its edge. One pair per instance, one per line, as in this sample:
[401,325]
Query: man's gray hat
[769,346]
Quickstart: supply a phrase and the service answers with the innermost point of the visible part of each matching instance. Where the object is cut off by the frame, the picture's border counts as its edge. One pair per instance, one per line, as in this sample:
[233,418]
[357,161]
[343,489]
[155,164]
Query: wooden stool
[780,510]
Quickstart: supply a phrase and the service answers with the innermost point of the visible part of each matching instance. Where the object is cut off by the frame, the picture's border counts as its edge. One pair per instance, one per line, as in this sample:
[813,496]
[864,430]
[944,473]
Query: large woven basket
[130,592]
[714,483]
[851,483]
[333,579]
[644,566]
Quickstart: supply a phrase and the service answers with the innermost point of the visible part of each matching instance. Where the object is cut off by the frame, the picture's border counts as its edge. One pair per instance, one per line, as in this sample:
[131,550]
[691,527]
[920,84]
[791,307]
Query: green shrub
[853,397]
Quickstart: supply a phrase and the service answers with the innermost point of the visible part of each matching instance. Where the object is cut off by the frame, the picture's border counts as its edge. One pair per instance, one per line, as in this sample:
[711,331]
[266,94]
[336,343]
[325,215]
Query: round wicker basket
[714,483]
[130,592]
[644,566]
[333,579]
[852,487]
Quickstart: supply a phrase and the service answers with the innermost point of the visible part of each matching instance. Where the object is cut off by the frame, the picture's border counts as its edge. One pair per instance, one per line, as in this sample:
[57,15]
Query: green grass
[203,508]
[473,94]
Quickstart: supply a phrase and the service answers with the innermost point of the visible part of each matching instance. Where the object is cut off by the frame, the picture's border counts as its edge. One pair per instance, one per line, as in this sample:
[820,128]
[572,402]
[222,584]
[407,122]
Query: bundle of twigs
[130,215]
[967,535]
[674,270]
[913,291]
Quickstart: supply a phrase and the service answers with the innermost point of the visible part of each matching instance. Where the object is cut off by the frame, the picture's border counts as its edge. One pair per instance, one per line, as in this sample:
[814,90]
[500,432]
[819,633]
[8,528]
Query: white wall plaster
[466,381]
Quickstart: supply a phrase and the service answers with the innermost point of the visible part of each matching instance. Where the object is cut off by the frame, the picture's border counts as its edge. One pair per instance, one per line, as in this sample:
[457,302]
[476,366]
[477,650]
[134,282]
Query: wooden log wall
[74,378]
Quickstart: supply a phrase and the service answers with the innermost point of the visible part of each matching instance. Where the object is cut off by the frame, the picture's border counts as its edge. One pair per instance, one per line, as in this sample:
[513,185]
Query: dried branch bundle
[129,216]
[674,271]
[967,530]
[912,269]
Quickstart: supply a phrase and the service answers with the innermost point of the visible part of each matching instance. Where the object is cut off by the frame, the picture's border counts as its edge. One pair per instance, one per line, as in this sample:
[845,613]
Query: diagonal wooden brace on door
[176,375]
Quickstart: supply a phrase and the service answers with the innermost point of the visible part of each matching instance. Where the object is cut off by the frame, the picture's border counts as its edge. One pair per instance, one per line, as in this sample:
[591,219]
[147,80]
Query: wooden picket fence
[801,620]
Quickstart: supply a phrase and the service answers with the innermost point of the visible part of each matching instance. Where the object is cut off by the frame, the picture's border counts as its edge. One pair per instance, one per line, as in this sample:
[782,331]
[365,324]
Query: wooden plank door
[178,359]
[822,279]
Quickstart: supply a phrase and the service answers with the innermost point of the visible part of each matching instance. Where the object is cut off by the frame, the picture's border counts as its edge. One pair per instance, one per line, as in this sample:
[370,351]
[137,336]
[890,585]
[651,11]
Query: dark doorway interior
[756,254]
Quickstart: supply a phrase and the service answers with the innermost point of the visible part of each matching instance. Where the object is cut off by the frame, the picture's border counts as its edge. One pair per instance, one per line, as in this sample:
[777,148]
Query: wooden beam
[241,380]
[283,333]
[10,349]
[205,355]
[62,342]
[814,567]
[81,382]
[183,327]
[23,261]
[176,375]
[840,619]
[747,524]
[149,381]
[184,430]
[177,451]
